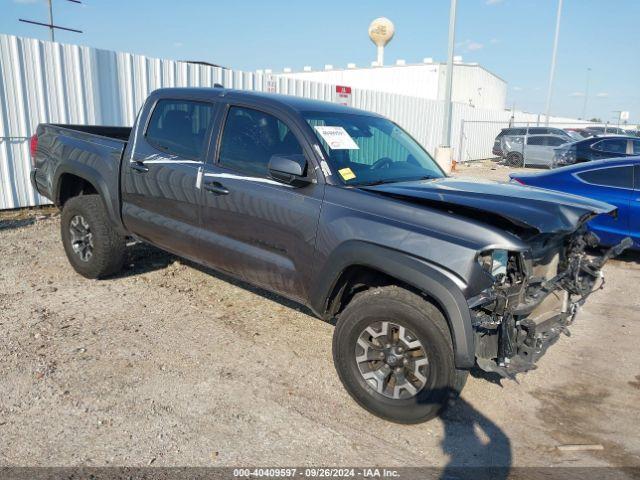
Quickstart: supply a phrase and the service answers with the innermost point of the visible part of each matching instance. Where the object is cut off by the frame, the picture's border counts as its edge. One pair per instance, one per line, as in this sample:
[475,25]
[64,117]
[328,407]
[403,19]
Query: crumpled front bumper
[513,340]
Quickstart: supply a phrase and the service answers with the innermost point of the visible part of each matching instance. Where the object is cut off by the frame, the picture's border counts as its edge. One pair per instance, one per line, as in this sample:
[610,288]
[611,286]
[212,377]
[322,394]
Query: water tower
[381,32]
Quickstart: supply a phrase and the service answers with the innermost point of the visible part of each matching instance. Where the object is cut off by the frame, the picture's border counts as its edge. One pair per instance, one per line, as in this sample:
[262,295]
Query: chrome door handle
[139,167]
[216,188]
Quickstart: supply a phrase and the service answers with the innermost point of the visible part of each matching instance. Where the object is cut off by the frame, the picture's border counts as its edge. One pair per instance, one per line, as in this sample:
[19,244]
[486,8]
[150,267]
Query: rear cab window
[180,127]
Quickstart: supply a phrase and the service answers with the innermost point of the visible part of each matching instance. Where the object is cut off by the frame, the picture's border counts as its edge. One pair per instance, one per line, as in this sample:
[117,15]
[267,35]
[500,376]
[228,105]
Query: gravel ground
[173,364]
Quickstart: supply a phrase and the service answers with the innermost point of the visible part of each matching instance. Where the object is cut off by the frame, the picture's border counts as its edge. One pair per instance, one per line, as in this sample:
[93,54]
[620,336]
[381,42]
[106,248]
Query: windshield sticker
[347,174]
[337,138]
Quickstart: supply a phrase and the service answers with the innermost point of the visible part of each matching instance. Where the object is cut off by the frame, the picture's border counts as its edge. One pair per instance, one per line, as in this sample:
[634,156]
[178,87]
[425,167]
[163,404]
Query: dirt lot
[172,364]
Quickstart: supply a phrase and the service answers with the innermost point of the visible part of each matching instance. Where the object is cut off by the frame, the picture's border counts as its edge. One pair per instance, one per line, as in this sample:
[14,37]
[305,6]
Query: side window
[618,145]
[179,127]
[636,147]
[538,131]
[251,138]
[555,141]
[621,177]
[536,140]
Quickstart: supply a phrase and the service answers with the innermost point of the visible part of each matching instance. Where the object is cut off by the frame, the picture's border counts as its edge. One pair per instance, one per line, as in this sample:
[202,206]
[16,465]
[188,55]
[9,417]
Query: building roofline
[423,64]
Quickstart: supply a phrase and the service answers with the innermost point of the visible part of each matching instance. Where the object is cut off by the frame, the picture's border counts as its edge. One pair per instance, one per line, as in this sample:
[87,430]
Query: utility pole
[586,96]
[52,27]
[52,30]
[444,153]
[553,61]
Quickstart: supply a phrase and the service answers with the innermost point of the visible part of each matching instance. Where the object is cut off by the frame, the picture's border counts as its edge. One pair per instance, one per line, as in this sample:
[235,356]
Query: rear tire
[413,319]
[92,245]
[515,159]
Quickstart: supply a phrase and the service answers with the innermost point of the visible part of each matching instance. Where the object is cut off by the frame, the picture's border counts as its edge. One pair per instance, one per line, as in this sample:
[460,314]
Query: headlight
[494,262]
[565,156]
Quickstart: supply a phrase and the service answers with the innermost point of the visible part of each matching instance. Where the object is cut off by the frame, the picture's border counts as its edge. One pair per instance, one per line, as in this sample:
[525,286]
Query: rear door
[535,150]
[613,185]
[256,228]
[160,199]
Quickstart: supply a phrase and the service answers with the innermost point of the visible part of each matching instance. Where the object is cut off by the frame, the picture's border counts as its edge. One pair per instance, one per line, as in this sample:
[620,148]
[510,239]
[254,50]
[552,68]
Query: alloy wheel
[392,360]
[81,238]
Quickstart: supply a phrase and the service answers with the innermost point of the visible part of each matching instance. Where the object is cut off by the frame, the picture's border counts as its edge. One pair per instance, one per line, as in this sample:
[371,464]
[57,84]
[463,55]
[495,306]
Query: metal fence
[52,82]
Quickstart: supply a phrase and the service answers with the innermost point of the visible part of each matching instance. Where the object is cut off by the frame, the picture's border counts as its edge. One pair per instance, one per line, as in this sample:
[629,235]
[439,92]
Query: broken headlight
[494,262]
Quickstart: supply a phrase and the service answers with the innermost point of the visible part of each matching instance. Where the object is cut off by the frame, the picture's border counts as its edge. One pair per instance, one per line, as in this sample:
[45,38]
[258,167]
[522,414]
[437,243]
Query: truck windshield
[368,150]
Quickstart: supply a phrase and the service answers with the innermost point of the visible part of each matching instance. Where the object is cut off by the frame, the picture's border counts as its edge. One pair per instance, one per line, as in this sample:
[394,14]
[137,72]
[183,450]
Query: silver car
[531,150]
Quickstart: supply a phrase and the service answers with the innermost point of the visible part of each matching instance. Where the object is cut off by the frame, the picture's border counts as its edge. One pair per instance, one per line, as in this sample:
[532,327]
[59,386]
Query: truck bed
[90,152]
[117,133]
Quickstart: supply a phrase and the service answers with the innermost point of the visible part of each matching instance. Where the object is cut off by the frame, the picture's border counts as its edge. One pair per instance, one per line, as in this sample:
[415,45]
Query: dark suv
[518,131]
[597,148]
[425,276]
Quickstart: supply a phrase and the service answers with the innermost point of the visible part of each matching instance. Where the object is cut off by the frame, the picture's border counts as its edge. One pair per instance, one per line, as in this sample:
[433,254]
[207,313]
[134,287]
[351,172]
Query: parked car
[519,131]
[578,133]
[615,181]
[596,148]
[606,131]
[342,211]
[531,150]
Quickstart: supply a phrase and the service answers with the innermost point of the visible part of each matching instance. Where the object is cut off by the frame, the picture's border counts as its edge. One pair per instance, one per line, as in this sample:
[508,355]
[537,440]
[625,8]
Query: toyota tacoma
[425,276]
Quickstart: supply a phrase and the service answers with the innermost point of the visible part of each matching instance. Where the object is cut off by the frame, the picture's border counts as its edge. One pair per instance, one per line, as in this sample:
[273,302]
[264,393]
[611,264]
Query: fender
[438,283]
[95,178]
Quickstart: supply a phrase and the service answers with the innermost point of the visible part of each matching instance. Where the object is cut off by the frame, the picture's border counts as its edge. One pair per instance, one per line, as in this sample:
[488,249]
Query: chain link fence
[527,143]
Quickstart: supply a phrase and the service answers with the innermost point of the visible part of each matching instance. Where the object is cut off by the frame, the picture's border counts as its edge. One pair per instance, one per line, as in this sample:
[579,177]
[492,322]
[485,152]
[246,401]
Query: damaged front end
[534,298]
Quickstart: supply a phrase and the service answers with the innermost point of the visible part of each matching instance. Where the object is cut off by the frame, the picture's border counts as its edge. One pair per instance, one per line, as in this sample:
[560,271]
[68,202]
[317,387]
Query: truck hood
[546,211]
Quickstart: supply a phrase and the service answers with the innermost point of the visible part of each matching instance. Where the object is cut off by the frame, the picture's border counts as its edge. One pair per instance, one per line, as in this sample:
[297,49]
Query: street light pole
[51,29]
[446,124]
[586,96]
[444,152]
[553,61]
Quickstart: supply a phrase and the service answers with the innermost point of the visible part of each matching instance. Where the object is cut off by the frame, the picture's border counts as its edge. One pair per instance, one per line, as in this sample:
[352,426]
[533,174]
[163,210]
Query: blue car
[614,181]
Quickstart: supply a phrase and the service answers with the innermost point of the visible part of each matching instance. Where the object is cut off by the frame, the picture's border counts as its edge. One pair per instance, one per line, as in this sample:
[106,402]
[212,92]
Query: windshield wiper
[392,180]
[375,182]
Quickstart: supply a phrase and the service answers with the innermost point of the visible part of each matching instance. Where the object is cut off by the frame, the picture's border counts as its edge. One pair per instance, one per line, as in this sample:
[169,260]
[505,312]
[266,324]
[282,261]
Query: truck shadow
[10,224]
[629,256]
[476,446]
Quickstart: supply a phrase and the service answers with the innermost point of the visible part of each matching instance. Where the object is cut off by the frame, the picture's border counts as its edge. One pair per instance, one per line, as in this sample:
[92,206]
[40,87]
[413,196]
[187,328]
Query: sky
[511,38]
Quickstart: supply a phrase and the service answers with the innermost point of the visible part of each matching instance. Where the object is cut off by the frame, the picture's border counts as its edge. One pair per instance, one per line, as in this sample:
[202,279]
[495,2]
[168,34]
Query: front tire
[92,245]
[393,353]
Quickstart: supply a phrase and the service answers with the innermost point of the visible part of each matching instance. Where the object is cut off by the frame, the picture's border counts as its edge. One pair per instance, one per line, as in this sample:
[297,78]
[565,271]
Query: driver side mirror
[289,169]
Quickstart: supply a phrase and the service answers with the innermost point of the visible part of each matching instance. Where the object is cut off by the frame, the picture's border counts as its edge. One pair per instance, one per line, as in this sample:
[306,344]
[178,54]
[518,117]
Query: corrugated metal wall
[52,82]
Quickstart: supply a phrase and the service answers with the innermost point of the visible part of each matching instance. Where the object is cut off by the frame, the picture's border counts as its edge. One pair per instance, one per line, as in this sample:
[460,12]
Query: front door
[256,228]
[160,199]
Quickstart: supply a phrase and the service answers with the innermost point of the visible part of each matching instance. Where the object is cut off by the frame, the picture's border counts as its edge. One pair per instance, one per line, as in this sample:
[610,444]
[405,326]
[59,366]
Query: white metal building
[473,85]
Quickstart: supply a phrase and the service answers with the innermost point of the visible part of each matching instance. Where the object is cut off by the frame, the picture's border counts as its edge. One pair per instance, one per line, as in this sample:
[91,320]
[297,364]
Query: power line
[52,27]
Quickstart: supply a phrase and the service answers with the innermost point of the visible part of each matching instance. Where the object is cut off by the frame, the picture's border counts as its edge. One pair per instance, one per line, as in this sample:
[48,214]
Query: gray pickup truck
[426,276]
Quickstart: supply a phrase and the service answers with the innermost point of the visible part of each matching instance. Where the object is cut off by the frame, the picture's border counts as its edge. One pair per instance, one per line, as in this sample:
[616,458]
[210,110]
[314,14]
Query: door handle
[216,188]
[139,166]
